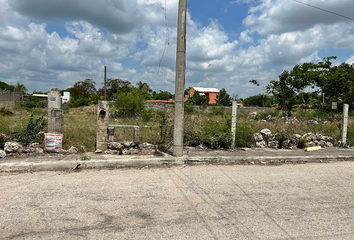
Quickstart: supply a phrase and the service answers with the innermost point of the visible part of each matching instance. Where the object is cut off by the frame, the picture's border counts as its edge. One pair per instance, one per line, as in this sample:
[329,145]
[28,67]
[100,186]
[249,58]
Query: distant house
[211,93]
[64,99]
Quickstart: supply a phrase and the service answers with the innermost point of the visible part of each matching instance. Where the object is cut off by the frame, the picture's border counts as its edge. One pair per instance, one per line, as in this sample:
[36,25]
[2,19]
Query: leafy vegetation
[32,132]
[5,86]
[198,99]
[223,98]
[31,102]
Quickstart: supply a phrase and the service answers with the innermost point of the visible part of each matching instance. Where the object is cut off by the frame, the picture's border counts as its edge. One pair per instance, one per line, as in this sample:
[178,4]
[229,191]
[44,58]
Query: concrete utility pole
[180,80]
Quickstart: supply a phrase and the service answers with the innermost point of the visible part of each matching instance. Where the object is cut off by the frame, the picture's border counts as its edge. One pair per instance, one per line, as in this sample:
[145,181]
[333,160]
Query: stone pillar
[102,125]
[56,121]
[54,100]
[55,114]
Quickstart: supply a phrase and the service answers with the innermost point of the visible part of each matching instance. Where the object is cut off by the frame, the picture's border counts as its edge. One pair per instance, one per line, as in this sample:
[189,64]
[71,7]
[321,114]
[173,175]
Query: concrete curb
[112,162]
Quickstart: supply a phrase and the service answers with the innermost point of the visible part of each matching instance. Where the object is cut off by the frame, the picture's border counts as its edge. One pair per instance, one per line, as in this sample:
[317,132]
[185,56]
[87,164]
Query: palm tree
[20,88]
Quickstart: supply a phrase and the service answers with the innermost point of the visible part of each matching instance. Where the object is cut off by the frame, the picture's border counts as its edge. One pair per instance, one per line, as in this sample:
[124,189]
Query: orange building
[211,93]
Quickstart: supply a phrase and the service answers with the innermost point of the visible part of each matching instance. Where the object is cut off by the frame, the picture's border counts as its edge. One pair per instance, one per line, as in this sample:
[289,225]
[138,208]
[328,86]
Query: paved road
[308,201]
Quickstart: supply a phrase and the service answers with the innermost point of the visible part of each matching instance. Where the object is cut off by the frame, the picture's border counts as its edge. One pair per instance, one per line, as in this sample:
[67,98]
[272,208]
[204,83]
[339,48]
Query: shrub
[32,102]
[5,112]
[192,138]
[302,143]
[188,107]
[244,136]
[130,104]
[31,133]
[147,115]
[217,134]
[76,102]
[217,110]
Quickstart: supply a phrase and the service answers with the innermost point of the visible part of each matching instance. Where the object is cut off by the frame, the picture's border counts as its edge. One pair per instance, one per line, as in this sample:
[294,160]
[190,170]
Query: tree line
[84,93]
[309,85]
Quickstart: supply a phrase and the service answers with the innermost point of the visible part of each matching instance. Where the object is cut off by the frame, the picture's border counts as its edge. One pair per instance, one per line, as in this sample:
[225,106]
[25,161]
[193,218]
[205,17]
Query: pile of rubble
[120,148]
[265,139]
[17,148]
[130,148]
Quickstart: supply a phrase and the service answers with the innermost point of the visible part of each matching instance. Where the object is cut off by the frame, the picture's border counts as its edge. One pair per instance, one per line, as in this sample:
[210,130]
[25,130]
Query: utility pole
[180,80]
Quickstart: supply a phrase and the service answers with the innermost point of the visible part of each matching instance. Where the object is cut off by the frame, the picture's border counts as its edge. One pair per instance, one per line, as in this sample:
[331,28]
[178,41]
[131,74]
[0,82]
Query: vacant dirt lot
[310,201]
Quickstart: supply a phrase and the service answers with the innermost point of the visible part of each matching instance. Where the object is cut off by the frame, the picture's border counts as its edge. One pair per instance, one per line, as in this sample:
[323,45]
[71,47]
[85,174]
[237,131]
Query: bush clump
[130,104]
[5,112]
[213,134]
[31,133]
[32,102]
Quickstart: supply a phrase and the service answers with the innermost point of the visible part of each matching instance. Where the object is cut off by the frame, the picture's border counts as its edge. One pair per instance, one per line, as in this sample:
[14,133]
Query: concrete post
[345,124]
[234,120]
[55,113]
[102,125]
[54,100]
[56,121]
[180,80]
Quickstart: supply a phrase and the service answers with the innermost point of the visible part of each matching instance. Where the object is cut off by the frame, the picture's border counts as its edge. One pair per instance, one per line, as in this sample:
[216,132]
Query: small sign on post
[334,105]
[53,142]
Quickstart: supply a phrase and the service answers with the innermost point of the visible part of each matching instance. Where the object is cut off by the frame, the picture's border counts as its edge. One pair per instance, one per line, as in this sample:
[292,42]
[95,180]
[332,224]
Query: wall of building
[10,99]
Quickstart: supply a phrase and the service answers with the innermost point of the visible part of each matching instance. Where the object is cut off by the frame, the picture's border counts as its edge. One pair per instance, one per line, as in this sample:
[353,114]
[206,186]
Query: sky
[47,44]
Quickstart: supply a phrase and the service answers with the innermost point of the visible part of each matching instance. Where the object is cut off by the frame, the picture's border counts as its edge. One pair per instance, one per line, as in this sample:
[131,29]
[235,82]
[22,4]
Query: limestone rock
[273,144]
[73,149]
[147,146]
[13,147]
[258,137]
[128,144]
[261,144]
[2,154]
[115,146]
[33,151]
[266,132]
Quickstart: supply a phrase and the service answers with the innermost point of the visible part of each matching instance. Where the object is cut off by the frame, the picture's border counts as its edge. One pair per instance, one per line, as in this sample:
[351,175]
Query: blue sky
[48,44]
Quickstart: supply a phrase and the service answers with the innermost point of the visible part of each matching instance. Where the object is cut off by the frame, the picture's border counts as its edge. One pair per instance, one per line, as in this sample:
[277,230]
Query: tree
[20,88]
[223,98]
[259,100]
[283,91]
[82,93]
[162,95]
[145,88]
[5,86]
[130,104]
[198,99]
[255,82]
[114,86]
[83,89]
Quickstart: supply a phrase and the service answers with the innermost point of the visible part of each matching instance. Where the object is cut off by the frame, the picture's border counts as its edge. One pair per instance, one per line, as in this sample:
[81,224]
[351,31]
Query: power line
[337,14]
[167,39]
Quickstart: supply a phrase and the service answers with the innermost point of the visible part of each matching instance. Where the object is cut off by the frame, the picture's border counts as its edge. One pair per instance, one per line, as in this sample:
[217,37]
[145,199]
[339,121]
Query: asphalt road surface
[309,201]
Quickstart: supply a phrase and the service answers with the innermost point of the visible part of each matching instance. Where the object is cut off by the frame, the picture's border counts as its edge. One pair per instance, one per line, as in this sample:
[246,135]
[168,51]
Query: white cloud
[136,43]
